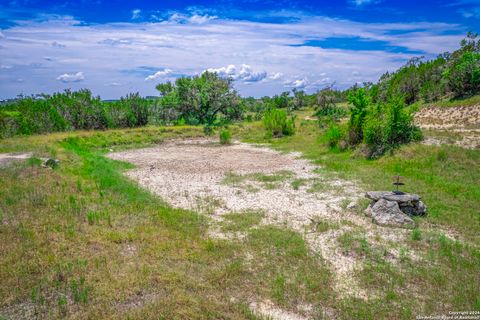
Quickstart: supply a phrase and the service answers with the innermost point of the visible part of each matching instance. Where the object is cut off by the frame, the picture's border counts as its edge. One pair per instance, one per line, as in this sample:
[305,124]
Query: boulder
[388,213]
[408,203]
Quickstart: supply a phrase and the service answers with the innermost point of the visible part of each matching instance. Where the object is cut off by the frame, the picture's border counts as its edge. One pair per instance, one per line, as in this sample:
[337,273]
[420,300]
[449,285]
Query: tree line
[210,100]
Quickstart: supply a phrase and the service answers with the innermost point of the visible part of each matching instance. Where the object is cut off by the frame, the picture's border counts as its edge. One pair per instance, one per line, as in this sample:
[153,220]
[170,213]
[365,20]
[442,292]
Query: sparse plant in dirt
[416,234]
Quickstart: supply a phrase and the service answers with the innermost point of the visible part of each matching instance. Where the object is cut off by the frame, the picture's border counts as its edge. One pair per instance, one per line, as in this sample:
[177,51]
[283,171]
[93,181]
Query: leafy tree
[299,99]
[200,99]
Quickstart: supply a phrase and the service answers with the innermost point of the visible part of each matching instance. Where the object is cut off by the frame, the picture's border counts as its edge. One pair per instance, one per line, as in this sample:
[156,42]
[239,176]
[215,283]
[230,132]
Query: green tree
[200,99]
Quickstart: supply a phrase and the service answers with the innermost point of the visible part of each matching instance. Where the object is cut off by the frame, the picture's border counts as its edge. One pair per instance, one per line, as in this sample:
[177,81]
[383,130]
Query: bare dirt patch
[7,158]
[217,180]
[451,125]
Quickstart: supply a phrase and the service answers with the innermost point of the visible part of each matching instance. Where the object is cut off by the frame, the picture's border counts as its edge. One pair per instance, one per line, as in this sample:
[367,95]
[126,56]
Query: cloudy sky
[267,46]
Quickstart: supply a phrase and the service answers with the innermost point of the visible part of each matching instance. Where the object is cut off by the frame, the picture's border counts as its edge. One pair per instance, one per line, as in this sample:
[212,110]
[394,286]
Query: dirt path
[204,176]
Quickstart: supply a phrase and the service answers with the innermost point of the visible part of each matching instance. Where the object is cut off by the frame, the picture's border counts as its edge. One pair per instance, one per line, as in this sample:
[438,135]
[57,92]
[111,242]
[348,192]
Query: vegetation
[450,75]
[225,136]
[444,177]
[200,99]
[91,244]
[80,240]
[277,123]
[196,100]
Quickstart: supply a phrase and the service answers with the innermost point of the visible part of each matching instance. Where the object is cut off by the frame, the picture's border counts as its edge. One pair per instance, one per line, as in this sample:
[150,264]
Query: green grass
[82,241]
[471,101]
[447,178]
[242,221]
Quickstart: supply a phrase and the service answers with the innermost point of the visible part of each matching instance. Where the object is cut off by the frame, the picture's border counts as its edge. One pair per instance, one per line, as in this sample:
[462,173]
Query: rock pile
[395,210]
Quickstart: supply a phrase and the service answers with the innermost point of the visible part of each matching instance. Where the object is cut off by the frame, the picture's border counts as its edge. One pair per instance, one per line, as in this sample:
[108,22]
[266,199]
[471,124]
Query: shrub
[358,112]
[277,123]
[225,137]
[387,127]
[399,124]
[333,135]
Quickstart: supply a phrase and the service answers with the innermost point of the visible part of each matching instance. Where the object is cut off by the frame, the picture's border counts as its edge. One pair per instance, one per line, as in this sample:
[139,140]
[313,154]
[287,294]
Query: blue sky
[117,47]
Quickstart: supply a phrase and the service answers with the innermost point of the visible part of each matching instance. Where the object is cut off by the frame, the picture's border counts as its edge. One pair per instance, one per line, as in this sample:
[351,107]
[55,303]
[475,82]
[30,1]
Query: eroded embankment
[451,125]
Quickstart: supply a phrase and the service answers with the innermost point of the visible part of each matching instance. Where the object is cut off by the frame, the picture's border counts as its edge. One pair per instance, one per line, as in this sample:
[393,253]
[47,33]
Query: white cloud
[266,54]
[178,17]
[245,74]
[136,14]
[276,76]
[297,84]
[71,77]
[199,19]
[2,36]
[159,74]
[225,72]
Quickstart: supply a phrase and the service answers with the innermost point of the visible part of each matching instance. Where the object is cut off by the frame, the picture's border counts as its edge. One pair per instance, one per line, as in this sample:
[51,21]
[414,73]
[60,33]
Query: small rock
[352,206]
[51,163]
[421,209]
[388,213]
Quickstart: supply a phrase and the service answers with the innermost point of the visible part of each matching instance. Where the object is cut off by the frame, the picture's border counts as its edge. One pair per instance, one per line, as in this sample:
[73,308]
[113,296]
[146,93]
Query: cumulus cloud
[225,72]
[136,14]
[297,83]
[71,77]
[2,36]
[248,75]
[158,74]
[245,74]
[247,51]
[199,19]
[276,76]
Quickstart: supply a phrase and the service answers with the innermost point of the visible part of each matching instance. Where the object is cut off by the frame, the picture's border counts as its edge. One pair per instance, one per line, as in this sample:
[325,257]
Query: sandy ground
[194,174]
[7,158]
[453,125]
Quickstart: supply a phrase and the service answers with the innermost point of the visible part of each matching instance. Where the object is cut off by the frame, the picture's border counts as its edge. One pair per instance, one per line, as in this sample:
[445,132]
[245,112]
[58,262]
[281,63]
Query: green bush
[386,127]
[225,137]
[277,123]
[358,112]
[333,135]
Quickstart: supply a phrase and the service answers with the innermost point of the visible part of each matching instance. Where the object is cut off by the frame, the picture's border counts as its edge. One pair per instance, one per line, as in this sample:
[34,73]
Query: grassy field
[446,277]
[82,241]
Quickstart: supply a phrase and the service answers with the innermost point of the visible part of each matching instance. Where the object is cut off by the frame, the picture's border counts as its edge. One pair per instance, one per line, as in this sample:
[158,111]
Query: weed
[416,234]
